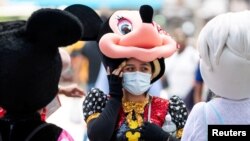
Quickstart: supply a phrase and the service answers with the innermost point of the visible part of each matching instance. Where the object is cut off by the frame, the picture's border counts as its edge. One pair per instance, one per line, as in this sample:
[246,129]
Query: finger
[123,64]
[83,93]
[108,71]
[121,74]
[119,68]
[178,46]
[68,94]
[76,94]
[117,71]
[79,91]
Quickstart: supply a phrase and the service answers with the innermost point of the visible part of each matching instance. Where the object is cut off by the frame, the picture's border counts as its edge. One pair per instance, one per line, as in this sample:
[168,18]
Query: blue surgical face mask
[137,82]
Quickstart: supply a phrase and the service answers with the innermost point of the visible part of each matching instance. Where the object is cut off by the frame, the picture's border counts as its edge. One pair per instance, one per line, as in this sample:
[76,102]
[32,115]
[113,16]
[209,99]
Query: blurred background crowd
[182,19]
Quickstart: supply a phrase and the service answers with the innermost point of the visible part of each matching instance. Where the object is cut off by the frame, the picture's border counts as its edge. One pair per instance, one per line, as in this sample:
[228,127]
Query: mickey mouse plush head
[30,67]
[127,34]
[30,63]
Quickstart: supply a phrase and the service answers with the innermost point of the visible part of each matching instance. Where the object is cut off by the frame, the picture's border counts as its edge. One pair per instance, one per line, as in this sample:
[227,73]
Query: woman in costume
[133,48]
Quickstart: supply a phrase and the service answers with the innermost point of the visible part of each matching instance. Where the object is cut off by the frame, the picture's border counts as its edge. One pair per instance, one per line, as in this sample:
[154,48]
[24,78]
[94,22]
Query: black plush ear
[53,27]
[89,19]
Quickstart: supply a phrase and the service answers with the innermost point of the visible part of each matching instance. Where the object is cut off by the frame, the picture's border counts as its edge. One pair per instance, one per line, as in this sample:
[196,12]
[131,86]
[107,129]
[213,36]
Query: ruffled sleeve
[178,111]
[94,104]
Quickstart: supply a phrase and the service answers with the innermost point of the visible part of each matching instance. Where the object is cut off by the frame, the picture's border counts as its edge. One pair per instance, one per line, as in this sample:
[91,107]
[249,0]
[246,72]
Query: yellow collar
[138,108]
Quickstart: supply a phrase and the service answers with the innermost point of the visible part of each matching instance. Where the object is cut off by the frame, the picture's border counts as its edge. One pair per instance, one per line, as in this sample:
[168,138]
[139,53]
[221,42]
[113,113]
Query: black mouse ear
[90,20]
[53,27]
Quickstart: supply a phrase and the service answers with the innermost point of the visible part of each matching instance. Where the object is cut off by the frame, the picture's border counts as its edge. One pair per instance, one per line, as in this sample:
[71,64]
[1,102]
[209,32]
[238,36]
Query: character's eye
[124,25]
[128,69]
[144,69]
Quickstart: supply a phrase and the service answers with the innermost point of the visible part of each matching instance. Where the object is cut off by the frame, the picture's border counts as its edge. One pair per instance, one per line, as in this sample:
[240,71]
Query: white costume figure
[224,48]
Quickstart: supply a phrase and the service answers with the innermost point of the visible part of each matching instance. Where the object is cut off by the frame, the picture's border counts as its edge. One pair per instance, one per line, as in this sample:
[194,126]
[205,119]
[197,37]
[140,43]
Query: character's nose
[146,13]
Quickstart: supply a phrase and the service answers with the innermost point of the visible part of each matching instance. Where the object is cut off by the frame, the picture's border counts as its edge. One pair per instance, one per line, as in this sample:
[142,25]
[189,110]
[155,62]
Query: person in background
[180,67]
[195,94]
[198,86]
[78,71]
[71,90]
[91,52]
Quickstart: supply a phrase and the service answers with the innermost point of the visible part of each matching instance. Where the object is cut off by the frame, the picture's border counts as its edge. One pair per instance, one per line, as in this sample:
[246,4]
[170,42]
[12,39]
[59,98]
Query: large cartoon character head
[127,34]
[30,63]
[224,48]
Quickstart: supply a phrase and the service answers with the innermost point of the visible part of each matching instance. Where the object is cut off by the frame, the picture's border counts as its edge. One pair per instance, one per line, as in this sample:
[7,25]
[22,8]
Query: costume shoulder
[94,103]
[178,111]
[159,109]
[160,102]
[175,107]
[30,130]
[196,125]
[46,131]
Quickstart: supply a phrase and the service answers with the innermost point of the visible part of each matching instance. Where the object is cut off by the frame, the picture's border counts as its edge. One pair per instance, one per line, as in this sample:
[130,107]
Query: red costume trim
[159,109]
[2,112]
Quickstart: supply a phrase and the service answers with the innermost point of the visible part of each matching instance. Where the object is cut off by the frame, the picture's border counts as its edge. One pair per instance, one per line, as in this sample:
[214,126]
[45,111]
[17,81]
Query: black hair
[152,66]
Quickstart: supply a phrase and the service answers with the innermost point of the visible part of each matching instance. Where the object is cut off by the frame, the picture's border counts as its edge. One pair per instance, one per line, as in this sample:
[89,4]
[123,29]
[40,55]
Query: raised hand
[72,90]
[115,82]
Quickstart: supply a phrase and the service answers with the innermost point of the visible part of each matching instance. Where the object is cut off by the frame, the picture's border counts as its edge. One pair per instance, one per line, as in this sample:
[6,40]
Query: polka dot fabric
[94,102]
[178,111]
